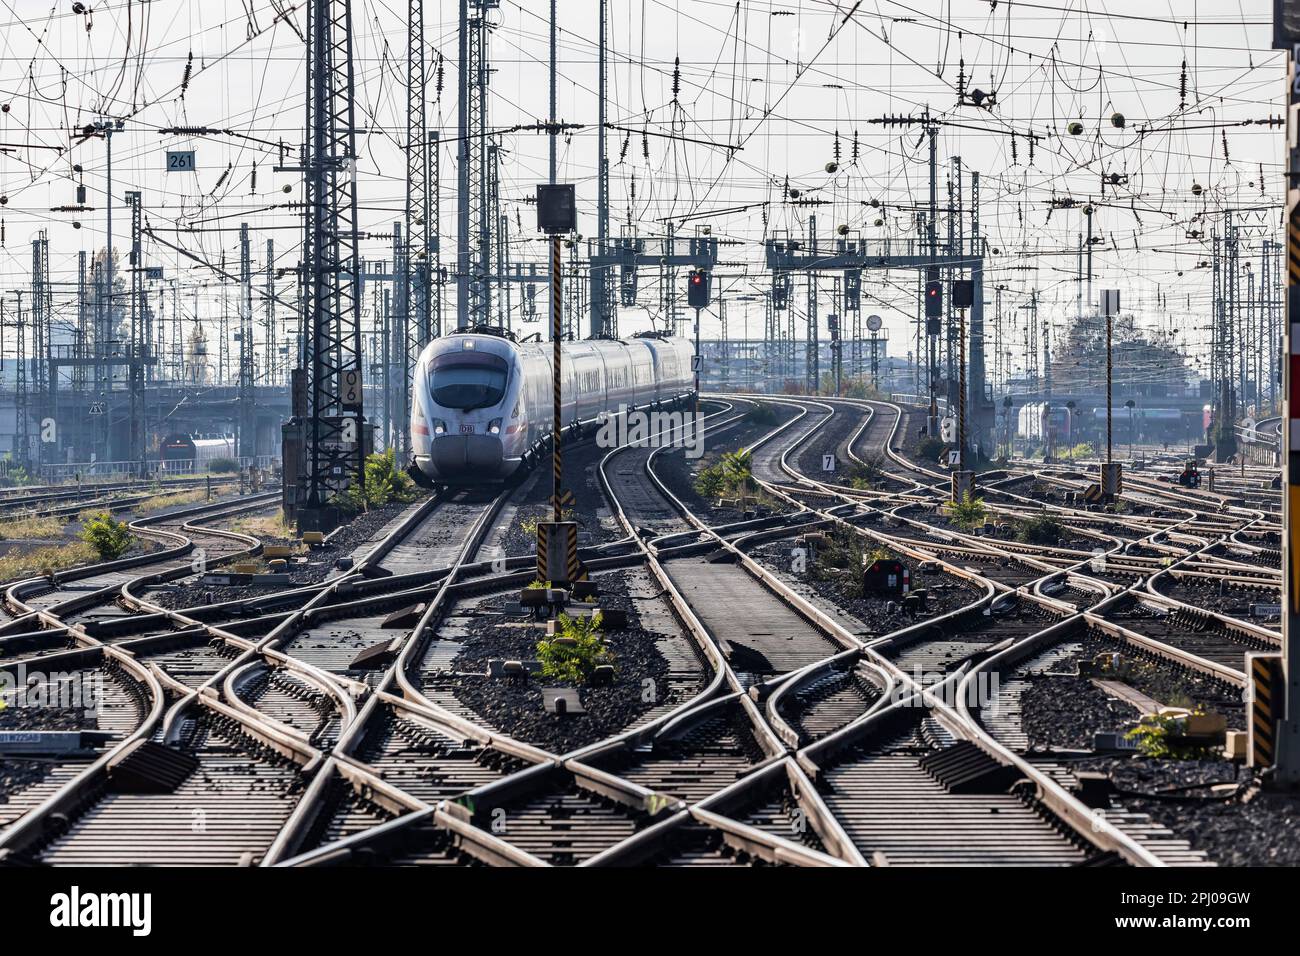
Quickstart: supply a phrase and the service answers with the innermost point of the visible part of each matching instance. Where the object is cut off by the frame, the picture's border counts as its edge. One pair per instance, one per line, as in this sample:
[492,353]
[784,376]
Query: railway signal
[934,301]
[697,289]
[697,296]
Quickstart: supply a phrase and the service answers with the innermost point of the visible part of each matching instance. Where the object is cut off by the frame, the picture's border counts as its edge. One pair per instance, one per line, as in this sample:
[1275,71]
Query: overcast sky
[763,89]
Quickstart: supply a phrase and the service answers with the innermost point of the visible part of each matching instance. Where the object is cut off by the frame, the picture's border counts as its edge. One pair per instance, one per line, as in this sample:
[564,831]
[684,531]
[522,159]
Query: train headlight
[494,427]
[439,427]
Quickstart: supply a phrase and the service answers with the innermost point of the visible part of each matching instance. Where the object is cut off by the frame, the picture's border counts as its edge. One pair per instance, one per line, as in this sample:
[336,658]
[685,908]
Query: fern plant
[575,651]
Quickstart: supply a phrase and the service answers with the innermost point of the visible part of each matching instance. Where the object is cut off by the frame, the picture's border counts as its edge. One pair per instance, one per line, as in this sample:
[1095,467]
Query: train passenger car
[482,404]
[202,450]
[1042,422]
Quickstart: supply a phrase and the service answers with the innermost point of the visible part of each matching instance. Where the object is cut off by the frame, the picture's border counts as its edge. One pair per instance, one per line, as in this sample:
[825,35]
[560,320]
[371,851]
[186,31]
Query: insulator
[1014,159]
[1226,158]
[677,77]
[1182,87]
[189,69]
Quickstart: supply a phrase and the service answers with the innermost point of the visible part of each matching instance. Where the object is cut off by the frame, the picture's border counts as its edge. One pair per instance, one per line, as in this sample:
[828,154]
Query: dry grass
[16,564]
[160,502]
[29,527]
[266,526]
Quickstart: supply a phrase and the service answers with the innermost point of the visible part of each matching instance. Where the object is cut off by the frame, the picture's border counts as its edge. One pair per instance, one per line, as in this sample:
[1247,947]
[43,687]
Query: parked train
[1042,422]
[482,404]
[200,449]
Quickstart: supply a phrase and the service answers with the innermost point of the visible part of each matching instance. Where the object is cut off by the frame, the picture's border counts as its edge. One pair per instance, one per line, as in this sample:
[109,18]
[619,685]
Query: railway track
[804,730]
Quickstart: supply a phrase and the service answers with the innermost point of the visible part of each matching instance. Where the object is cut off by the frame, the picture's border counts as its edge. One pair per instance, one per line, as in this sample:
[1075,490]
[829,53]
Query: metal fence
[107,470]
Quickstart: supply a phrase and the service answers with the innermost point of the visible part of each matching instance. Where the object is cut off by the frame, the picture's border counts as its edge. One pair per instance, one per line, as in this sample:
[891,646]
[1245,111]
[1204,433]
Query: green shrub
[1040,529]
[967,513]
[730,475]
[109,537]
[761,414]
[1152,737]
[709,483]
[224,466]
[529,525]
[17,474]
[385,482]
[575,651]
[846,552]
[868,472]
[931,448]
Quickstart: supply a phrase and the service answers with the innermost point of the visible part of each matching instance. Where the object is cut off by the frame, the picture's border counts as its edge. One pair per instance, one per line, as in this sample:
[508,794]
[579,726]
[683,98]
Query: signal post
[557,540]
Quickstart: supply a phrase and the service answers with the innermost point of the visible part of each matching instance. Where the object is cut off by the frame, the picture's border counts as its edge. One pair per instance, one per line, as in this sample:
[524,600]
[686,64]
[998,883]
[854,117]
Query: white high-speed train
[482,404]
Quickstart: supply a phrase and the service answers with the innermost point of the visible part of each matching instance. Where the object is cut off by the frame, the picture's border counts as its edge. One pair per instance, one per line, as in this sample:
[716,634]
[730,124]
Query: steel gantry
[847,256]
[247,426]
[331,304]
[476,212]
[138,349]
[417,307]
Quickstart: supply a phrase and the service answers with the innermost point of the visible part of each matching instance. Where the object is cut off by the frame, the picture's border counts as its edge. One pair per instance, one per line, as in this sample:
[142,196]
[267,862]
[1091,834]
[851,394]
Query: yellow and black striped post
[1267,692]
[557,553]
[573,567]
[557,335]
[543,535]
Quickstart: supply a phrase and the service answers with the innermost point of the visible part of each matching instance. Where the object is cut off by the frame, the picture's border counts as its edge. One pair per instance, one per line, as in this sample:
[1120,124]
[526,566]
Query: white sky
[775,78]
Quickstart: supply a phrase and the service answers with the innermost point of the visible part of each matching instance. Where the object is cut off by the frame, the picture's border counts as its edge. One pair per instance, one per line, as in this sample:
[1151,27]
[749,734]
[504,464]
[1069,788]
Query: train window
[468,380]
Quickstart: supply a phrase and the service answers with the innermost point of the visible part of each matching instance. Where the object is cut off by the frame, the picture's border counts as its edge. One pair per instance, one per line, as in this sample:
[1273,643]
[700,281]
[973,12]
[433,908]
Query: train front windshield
[467,380]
